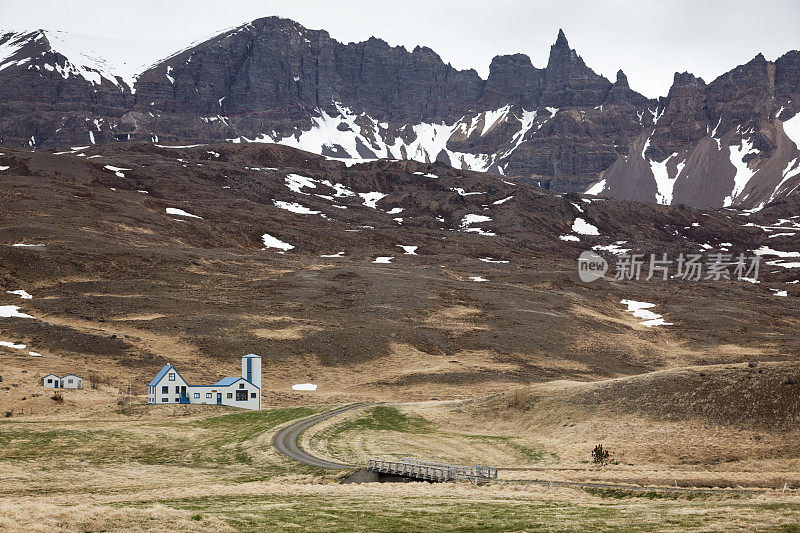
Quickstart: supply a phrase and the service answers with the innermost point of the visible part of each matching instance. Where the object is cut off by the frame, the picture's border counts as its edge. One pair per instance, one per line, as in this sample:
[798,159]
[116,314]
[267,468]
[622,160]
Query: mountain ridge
[562,127]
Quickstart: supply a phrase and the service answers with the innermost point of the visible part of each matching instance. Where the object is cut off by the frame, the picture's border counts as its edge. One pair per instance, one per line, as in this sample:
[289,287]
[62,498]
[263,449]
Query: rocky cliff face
[562,127]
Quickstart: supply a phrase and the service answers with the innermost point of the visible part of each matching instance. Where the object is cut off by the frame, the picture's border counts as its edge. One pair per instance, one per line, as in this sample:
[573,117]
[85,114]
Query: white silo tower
[251,369]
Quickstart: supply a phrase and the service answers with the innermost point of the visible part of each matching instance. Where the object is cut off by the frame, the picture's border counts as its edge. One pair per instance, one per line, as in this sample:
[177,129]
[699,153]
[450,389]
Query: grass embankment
[486,512]
[387,432]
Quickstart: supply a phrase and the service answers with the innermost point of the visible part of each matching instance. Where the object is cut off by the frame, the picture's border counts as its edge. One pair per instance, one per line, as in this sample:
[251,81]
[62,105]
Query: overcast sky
[649,39]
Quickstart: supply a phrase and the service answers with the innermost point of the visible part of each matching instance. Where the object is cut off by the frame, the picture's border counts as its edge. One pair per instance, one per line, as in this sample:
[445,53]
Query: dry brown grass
[519,399]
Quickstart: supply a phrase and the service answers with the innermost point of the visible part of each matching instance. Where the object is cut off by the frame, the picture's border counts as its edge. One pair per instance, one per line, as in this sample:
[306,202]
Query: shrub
[57,397]
[600,455]
[519,399]
[95,380]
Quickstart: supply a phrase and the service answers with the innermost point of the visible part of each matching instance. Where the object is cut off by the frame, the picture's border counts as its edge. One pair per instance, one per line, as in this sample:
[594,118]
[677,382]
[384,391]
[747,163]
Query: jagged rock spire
[622,79]
[561,40]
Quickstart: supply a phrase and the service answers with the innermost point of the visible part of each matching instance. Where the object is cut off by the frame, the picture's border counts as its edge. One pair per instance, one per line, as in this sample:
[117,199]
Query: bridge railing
[431,471]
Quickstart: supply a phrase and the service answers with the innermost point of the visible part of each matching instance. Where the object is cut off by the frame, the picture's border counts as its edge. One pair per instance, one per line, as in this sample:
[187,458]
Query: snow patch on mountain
[597,188]
[350,137]
[664,184]
[743,172]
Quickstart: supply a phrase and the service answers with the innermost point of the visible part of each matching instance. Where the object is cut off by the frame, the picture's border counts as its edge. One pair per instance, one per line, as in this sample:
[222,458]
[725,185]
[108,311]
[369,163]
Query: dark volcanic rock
[621,93]
[512,78]
[568,81]
[272,80]
[274,65]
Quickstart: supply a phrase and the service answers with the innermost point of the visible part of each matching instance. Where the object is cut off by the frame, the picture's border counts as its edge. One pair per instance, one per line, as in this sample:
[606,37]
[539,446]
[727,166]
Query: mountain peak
[561,40]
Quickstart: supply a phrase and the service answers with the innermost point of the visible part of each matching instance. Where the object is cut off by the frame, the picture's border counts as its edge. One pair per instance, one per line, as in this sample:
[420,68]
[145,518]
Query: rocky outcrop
[513,78]
[569,82]
[274,66]
[622,94]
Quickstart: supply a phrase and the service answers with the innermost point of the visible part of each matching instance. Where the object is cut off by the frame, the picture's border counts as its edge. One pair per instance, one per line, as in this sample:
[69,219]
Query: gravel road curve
[286,439]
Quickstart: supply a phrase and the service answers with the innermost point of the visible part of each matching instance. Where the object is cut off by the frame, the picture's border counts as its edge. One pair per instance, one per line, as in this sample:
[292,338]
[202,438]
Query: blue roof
[224,382]
[161,374]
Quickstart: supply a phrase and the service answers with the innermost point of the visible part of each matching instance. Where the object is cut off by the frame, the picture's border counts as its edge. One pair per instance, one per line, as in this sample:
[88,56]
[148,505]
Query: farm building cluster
[70,381]
[239,391]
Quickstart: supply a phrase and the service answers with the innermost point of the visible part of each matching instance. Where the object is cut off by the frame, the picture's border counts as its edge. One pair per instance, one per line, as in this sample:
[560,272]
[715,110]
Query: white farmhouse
[169,387]
[70,381]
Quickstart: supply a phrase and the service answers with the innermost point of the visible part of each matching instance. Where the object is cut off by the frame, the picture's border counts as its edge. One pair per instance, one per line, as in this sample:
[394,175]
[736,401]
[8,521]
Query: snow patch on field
[25,295]
[642,310]
[470,219]
[615,248]
[383,260]
[581,227]
[371,199]
[478,278]
[462,192]
[116,170]
[179,146]
[766,250]
[181,213]
[504,200]
[294,207]
[12,345]
[474,219]
[296,182]
[304,387]
[409,250]
[273,242]
[572,238]
[12,311]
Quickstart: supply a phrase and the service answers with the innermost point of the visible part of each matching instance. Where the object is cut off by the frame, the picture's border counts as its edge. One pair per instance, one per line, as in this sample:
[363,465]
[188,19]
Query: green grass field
[217,471]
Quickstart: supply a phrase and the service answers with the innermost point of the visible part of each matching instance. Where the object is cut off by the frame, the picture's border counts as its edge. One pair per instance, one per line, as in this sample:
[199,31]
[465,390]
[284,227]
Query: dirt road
[286,439]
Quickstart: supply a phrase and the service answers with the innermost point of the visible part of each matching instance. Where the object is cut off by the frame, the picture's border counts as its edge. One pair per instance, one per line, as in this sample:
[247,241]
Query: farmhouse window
[209,395]
[241,385]
[252,394]
[49,381]
[241,395]
[165,389]
[172,377]
[164,399]
[230,395]
[196,394]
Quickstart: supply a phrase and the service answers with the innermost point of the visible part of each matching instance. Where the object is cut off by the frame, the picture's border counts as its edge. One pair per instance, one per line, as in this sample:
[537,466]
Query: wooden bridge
[427,471]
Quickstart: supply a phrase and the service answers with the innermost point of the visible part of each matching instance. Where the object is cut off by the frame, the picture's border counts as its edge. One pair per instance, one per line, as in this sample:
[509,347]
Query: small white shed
[51,381]
[71,381]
